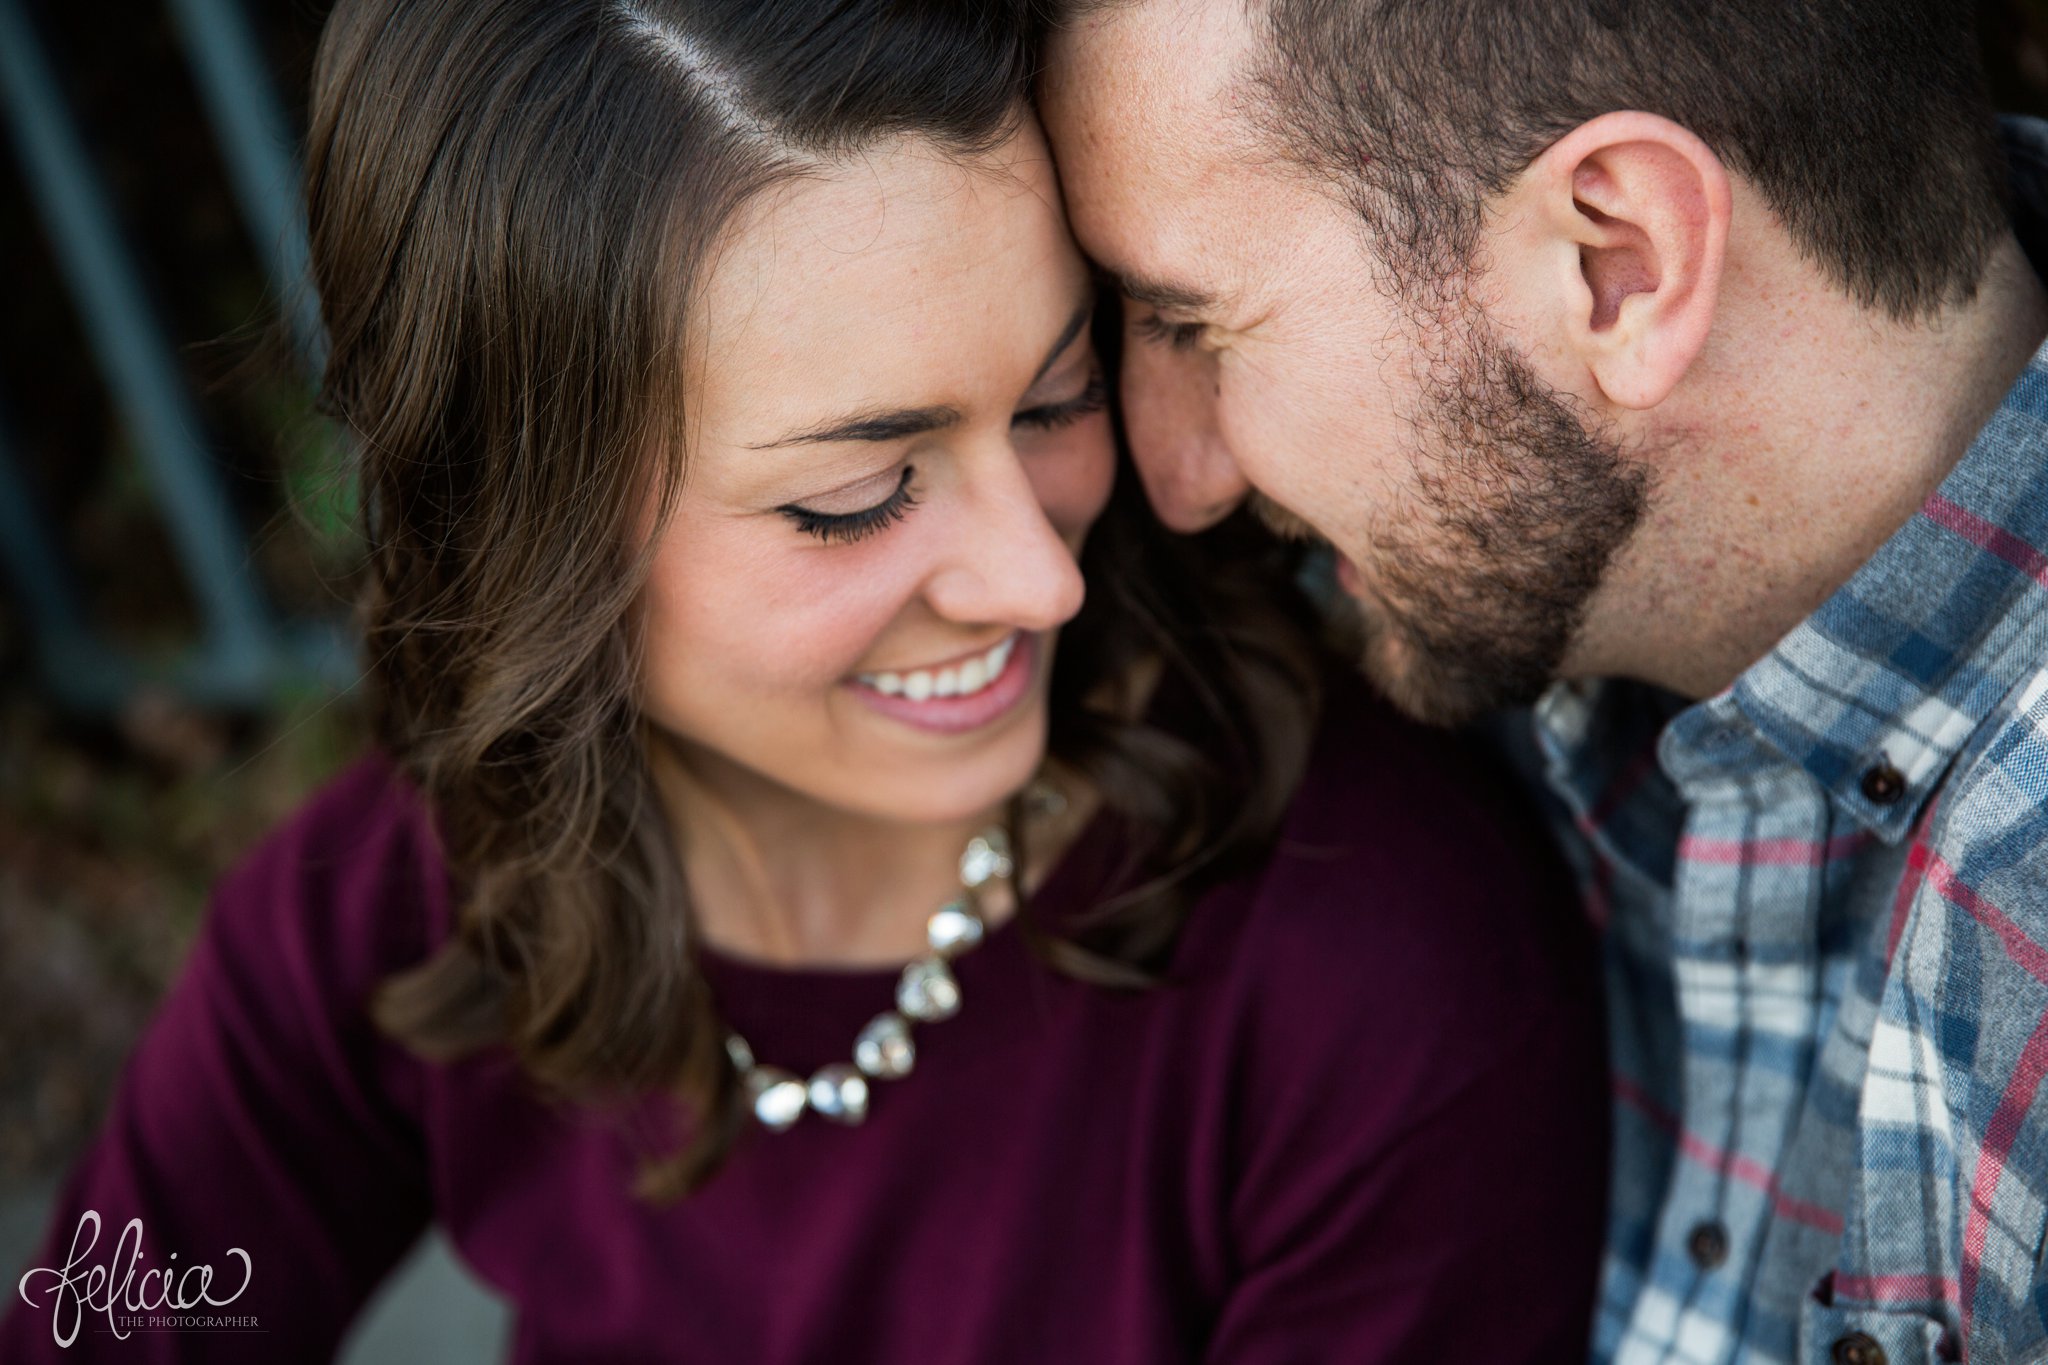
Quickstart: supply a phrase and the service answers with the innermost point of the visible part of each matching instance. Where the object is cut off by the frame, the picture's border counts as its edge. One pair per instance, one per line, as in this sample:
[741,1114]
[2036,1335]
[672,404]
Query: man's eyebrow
[893,424]
[1159,294]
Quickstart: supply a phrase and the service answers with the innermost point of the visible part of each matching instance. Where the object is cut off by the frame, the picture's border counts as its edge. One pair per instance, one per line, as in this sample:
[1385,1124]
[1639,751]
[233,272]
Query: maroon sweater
[1366,1122]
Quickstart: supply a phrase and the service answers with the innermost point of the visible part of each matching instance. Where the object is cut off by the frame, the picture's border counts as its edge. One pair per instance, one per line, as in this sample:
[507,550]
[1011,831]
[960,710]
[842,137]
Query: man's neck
[1814,430]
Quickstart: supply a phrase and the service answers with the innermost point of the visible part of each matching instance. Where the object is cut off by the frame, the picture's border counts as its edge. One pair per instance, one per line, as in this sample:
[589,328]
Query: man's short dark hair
[1864,124]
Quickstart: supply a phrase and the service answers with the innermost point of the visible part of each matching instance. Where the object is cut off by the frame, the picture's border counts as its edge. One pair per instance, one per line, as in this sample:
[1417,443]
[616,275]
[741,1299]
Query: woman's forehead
[899,270]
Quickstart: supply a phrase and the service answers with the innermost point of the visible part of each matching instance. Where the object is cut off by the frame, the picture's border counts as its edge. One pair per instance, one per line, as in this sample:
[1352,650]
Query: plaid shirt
[1826,899]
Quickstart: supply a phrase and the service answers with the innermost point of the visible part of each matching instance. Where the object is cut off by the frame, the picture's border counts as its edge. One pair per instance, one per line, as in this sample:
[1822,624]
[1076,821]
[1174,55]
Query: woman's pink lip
[958,715]
[1347,576]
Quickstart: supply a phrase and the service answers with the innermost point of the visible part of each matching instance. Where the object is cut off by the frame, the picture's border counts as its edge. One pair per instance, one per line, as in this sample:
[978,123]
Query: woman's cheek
[822,612]
[1073,481]
[759,611]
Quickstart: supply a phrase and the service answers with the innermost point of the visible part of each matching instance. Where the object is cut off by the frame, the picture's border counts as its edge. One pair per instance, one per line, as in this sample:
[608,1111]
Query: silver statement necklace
[926,993]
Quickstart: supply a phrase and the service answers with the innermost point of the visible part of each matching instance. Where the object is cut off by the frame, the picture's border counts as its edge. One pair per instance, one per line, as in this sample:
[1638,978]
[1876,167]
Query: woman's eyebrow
[893,424]
[1066,337]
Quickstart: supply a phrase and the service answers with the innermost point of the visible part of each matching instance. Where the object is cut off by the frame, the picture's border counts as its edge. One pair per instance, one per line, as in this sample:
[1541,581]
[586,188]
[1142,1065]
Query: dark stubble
[1476,590]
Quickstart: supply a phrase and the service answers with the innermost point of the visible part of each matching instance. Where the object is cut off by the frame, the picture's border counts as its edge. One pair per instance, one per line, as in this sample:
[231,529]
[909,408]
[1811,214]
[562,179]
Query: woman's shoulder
[345,890]
[1413,897]
[1418,822]
[1427,802]
[1392,1023]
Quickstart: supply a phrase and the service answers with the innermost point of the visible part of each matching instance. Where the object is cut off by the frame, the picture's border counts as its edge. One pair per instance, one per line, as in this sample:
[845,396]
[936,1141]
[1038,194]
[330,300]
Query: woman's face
[896,443]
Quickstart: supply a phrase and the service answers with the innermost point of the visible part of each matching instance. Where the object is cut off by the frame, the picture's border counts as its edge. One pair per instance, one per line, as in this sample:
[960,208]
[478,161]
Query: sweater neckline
[1050,903]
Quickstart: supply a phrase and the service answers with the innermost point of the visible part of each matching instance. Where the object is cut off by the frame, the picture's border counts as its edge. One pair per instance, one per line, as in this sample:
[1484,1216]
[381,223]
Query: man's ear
[1630,213]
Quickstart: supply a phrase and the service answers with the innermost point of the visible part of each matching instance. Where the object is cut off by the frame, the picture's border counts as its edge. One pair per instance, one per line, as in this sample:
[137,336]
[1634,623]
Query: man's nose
[1170,413]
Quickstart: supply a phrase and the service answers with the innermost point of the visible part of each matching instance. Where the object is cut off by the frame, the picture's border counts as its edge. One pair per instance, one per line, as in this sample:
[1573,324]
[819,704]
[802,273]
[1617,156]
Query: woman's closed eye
[1093,398]
[847,527]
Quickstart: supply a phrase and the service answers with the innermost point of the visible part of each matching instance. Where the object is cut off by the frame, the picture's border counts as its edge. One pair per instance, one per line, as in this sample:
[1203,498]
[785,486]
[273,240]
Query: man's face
[1473,512]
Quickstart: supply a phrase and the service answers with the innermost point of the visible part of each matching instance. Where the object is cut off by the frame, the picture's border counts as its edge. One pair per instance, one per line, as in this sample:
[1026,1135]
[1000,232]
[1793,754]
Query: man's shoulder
[1960,1036]
[1984,850]
[1968,946]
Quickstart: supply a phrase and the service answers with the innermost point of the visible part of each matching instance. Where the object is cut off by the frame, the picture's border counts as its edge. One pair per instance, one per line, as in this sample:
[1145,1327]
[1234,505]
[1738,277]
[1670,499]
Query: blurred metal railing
[244,651]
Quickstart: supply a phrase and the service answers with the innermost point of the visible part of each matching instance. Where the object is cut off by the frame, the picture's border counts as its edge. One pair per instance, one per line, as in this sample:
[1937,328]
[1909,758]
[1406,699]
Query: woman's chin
[935,760]
[922,788]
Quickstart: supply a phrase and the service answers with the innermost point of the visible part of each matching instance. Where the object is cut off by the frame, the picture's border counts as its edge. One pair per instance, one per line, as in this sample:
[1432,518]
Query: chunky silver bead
[1043,798]
[840,1093]
[884,1049]
[779,1097]
[742,1055]
[986,857]
[954,928]
[927,990]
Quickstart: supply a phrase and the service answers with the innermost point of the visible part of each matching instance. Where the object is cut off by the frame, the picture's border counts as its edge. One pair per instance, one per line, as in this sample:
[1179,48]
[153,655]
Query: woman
[785,924]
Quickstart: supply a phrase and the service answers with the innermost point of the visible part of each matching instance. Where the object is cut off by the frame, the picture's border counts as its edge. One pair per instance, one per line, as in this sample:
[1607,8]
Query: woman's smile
[959,695]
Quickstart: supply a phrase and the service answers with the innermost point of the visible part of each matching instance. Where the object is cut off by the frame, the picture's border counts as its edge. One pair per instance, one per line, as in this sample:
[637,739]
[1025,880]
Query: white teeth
[961,680]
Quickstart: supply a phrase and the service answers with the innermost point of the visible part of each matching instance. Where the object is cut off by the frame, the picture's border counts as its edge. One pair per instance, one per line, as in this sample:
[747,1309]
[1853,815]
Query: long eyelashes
[847,527]
[1092,399]
[1180,336]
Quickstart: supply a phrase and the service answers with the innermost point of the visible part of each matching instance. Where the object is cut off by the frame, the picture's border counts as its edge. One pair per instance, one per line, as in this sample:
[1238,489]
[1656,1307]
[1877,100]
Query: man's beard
[1476,591]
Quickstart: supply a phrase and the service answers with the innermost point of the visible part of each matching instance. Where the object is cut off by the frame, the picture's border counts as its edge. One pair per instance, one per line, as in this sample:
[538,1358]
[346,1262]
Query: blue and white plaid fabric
[1826,895]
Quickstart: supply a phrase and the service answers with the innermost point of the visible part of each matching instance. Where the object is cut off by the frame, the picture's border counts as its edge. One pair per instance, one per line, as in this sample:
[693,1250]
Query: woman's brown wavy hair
[509,202]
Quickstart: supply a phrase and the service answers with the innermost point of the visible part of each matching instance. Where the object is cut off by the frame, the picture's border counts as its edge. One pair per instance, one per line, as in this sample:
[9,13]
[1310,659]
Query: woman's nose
[1006,563]
[1170,416]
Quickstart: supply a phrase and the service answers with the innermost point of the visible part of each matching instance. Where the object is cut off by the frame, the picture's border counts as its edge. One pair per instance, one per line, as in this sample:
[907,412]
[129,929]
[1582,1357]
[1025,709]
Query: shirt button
[1858,1349]
[1883,785]
[1707,1244]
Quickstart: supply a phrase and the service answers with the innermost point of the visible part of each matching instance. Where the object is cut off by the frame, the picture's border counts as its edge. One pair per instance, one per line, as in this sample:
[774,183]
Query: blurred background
[177,539]
[176,534]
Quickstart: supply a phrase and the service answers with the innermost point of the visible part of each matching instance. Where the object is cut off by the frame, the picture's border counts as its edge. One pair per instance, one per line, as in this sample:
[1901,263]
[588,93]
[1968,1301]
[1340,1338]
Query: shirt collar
[1876,693]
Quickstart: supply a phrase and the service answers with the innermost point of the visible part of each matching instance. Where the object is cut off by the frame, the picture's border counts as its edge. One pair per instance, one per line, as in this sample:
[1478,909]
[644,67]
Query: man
[1672,367]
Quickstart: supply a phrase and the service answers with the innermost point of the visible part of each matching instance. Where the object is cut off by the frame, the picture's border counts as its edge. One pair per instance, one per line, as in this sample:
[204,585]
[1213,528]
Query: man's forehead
[1152,66]
[1152,148]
